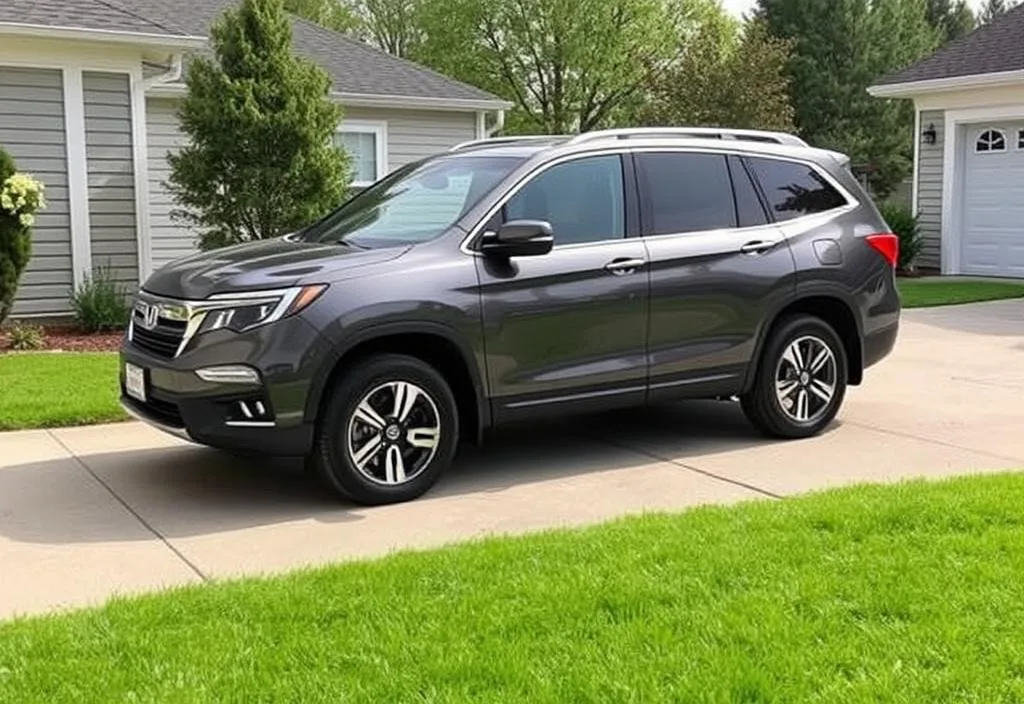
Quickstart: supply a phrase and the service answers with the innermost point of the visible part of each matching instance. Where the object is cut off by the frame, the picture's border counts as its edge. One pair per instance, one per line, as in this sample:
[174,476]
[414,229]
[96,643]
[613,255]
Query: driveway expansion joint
[933,441]
[127,507]
[697,470]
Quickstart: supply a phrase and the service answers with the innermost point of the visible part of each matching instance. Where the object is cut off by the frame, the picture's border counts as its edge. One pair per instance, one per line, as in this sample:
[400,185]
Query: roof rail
[693,132]
[503,140]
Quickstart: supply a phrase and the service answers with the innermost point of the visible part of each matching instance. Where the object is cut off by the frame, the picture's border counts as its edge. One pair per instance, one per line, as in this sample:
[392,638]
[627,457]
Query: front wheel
[388,432]
[800,381]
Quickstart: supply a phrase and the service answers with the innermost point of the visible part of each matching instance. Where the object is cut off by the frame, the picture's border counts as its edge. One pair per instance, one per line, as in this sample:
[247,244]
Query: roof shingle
[82,14]
[992,48]
[354,67]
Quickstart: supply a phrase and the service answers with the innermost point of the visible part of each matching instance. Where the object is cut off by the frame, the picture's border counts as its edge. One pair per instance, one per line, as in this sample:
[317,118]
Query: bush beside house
[21,197]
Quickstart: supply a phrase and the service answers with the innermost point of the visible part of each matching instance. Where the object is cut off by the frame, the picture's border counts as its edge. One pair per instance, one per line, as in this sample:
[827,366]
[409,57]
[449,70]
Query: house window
[1020,139]
[366,145]
[991,141]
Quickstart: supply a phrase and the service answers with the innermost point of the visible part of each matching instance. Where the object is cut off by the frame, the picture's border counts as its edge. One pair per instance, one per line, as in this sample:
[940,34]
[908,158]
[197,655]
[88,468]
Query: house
[88,91]
[968,183]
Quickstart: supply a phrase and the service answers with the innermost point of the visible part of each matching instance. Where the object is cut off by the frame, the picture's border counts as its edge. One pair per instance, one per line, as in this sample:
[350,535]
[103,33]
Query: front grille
[163,340]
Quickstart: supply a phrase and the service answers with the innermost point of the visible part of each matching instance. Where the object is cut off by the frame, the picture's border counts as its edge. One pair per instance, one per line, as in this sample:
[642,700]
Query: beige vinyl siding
[414,134]
[929,189]
[168,239]
[108,153]
[32,131]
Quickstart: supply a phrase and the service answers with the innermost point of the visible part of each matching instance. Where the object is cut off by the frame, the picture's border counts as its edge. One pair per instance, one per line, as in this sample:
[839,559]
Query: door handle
[624,266]
[758,246]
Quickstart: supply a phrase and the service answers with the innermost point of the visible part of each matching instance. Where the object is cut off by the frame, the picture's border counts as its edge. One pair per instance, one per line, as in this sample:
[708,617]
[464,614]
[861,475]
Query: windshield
[416,203]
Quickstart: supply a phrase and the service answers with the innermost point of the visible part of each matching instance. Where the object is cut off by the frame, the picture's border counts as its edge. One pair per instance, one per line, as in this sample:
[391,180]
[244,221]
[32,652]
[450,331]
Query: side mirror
[519,238]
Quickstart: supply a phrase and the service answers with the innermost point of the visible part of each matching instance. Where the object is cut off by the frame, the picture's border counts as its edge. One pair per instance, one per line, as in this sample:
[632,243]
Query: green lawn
[920,293]
[43,390]
[913,593]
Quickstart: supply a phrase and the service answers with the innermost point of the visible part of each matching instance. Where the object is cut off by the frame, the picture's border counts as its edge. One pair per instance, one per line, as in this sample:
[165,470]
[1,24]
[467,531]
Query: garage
[992,234]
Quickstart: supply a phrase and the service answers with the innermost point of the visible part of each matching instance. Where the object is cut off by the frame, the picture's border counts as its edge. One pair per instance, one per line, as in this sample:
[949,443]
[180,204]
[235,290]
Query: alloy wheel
[393,433]
[806,378]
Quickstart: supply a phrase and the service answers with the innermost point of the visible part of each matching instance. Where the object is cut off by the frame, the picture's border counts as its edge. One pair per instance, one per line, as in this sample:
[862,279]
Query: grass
[921,293]
[907,593]
[45,390]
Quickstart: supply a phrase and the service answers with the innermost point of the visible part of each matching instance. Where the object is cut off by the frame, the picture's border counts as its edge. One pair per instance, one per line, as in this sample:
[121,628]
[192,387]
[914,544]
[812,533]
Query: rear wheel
[388,432]
[801,379]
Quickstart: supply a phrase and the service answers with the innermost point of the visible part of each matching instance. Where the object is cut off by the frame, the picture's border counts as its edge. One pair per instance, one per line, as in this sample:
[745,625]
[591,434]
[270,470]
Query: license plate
[135,381]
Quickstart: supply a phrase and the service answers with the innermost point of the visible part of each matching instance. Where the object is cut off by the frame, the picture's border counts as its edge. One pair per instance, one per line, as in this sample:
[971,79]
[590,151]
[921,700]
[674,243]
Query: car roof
[752,142]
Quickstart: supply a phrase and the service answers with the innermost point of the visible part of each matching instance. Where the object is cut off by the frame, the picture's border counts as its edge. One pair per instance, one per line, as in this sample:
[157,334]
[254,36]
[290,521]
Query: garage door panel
[992,234]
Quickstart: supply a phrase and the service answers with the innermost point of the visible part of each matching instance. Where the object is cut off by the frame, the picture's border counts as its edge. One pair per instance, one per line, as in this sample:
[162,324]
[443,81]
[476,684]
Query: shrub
[23,336]
[100,303]
[904,225]
[21,197]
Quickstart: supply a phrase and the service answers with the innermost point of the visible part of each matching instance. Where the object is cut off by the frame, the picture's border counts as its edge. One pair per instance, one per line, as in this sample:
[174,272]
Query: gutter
[937,85]
[39,31]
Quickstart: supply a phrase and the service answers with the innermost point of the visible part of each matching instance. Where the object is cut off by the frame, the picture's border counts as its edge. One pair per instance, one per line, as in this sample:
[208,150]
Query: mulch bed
[70,339]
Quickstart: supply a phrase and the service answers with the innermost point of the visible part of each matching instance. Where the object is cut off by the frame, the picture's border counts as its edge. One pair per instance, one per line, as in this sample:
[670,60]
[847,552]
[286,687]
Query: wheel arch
[832,307]
[434,344]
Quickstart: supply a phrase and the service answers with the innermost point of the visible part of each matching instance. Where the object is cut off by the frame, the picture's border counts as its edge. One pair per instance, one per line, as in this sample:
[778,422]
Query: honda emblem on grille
[150,313]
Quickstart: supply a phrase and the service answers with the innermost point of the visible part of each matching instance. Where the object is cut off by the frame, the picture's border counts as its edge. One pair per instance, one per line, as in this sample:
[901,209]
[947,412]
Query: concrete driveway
[89,512]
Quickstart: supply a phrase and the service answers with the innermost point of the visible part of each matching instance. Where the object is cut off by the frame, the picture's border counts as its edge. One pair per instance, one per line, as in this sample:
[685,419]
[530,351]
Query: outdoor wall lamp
[929,136]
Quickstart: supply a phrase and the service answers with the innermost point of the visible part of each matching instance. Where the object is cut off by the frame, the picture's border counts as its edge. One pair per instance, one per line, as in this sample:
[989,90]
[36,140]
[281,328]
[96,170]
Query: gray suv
[522,278]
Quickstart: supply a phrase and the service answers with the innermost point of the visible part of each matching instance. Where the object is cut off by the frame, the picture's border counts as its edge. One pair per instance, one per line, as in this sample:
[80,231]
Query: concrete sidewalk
[89,512]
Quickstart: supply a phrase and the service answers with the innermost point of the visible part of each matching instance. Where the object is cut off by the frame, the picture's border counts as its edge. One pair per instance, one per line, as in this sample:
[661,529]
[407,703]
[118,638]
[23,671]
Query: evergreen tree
[260,161]
[952,19]
[840,47]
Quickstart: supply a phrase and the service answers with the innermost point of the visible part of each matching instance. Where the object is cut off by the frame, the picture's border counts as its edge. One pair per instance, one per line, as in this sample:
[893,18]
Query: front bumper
[286,356]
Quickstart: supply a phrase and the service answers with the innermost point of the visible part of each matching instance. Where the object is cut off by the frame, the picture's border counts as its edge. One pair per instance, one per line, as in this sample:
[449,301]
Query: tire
[803,411]
[347,457]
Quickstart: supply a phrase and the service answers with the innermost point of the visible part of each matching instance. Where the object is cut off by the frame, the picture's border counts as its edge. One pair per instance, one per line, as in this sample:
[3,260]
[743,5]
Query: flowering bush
[21,196]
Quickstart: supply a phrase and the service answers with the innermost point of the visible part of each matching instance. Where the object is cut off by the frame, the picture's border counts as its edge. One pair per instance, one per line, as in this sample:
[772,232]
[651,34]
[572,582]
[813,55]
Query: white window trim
[1019,139]
[987,130]
[379,128]
[953,155]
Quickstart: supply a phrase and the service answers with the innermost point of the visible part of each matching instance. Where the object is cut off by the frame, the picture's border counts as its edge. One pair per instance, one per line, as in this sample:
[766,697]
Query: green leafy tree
[331,14]
[260,161]
[991,9]
[952,19]
[840,47]
[567,65]
[15,243]
[725,80]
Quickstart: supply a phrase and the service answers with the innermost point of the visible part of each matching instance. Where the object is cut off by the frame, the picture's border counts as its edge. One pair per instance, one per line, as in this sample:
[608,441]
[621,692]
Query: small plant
[101,303]
[904,225]
[24,337]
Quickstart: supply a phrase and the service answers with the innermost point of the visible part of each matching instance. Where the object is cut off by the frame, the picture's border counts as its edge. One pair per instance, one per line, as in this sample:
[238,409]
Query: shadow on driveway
[187,491]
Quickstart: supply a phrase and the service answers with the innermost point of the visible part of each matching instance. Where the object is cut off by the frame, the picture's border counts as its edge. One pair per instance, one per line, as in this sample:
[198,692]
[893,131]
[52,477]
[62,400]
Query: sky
[738,7]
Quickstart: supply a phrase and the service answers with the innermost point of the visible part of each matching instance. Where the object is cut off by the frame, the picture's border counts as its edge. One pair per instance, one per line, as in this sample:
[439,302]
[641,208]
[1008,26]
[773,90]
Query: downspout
[171,75]
[499,124]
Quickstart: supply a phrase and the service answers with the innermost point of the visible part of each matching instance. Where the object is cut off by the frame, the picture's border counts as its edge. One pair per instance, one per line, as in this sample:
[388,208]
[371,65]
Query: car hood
[274,263]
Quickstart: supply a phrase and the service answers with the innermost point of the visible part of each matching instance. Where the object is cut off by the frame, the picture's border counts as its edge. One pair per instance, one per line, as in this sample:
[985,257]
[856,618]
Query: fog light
[229,374]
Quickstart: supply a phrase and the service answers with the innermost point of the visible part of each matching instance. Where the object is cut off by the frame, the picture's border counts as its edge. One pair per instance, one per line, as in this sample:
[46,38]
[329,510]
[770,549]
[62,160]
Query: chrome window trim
[728,148]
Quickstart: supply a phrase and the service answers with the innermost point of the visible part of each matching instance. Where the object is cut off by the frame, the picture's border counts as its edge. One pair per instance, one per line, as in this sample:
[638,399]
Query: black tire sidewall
[332,460]
[772,417]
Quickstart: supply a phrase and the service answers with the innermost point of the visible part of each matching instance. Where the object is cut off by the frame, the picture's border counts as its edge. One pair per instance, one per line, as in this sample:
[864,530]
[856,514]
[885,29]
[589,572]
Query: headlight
[244,311]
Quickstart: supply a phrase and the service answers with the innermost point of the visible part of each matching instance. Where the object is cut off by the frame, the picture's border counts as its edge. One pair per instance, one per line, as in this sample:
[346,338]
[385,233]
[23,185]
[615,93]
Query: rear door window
[685,192]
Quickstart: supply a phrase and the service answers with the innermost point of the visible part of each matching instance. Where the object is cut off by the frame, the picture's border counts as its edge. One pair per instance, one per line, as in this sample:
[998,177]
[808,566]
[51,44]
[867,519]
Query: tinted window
[794,189]
[582,199]
[749,210]
[684,192]
[414,204]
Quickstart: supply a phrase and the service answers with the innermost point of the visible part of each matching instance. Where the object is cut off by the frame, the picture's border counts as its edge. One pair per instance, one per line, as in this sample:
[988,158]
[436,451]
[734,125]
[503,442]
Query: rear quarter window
[793,190]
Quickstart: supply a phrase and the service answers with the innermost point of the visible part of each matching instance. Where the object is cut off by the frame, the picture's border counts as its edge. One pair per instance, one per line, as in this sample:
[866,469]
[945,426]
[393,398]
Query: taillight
[886,244]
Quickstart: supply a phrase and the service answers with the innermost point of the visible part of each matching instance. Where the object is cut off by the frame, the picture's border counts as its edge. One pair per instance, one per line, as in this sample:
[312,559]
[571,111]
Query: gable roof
[996,47]
[355,68]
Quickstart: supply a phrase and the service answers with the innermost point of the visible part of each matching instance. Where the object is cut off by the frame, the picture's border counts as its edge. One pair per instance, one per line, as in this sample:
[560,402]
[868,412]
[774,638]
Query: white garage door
[992,242]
